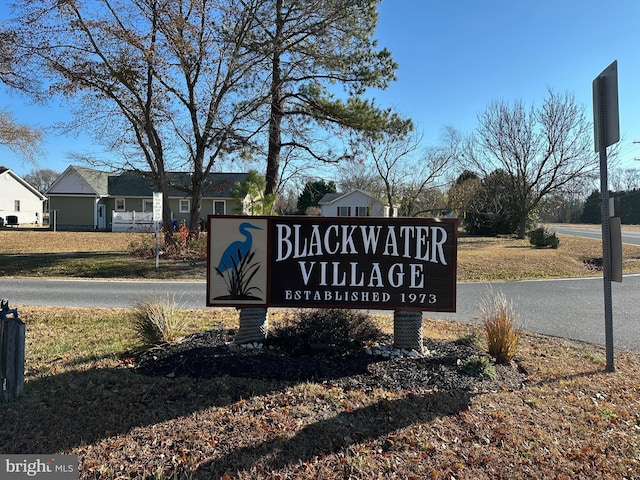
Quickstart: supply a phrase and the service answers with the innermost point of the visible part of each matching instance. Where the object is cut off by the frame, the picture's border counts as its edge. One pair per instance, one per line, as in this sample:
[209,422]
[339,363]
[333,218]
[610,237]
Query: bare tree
[624,179]
[41,179]
[542,151]
[408,172]
[358,174]
[9,75]
[163,82]
[19,138]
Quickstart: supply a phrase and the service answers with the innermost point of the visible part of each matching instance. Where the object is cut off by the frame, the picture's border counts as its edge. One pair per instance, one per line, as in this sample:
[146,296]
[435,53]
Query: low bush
[143,247]
[502,334]
[157,321]
[479,366]
[469,339]
[543,238]
[183,248]
[341,330]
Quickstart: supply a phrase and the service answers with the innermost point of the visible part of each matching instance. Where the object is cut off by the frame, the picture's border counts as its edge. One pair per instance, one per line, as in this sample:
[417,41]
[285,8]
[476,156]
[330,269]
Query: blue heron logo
[236,267]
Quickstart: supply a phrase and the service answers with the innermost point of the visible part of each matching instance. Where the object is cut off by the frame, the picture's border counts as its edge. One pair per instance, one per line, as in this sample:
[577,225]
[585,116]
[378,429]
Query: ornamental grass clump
[498,321]
[158,320]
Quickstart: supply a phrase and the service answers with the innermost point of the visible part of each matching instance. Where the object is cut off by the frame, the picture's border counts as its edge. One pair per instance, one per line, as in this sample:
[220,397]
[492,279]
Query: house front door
[102,217]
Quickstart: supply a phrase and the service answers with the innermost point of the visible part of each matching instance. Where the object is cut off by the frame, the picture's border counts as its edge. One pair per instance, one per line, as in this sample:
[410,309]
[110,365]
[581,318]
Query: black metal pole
[606,238]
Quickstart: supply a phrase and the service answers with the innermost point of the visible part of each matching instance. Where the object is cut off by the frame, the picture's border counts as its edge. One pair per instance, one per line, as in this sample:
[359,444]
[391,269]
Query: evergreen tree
[591,211]
[312,49]
[490,210]
[313,193]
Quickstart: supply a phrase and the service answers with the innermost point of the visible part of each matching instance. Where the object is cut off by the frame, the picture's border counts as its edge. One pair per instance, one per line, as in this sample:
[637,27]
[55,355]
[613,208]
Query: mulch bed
[447,365]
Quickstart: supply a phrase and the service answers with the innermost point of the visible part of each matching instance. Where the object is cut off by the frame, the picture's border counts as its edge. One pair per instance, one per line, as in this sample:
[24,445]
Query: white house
[356,203]
[18,200]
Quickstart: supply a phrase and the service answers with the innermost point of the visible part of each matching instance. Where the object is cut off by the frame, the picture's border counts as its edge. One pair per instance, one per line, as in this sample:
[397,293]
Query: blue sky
[456,56]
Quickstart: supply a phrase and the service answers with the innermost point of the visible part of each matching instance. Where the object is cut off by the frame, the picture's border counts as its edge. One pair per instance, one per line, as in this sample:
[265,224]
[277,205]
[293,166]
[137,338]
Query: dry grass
[43,253]
[483,259]
[104,255]
[18,240]
[572,420]
[158,320]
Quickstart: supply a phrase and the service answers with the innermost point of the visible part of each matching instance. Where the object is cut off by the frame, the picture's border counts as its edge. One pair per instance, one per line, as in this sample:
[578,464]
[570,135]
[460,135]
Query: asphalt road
[99,293]
[631,238]
[569,308]
[572,308]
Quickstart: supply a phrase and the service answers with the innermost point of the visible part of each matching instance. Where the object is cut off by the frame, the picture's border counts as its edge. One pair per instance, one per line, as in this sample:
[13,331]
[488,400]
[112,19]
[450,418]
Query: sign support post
[606,132]
[157,219]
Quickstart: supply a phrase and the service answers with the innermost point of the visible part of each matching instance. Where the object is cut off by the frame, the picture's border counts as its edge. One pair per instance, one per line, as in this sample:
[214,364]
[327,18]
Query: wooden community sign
[339,262]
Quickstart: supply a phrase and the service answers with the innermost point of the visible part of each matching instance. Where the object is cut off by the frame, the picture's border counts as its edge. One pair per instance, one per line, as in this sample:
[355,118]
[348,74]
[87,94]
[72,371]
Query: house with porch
[20,203]
[356,203]
[87,199]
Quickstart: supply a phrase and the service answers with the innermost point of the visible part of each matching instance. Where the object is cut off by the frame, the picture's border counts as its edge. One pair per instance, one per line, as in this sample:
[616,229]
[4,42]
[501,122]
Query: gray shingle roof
[332,197]
[329,197]
[140,184]
[97,179]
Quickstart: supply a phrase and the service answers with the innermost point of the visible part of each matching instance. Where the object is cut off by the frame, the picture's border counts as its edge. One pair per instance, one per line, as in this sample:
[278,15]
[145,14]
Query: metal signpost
[606,132]
[157,220]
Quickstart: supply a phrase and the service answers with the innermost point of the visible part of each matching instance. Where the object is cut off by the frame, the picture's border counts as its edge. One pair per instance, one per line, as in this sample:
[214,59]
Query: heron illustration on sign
[235,265]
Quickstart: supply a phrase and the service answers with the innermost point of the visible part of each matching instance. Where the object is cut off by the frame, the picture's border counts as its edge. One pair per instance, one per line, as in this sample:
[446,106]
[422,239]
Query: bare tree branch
[542,150]
[19,138]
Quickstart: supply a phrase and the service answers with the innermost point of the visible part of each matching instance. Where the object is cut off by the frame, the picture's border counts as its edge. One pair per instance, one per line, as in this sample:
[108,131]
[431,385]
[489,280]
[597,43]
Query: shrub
[469,339]
[143,247]
[157,321]
[340,329]
[543,238]
[479,366]
[498,321]
[183,248]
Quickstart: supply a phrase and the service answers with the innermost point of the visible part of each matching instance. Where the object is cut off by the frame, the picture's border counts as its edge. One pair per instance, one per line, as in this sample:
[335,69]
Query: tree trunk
[277,106]
[197,185]
[522,226]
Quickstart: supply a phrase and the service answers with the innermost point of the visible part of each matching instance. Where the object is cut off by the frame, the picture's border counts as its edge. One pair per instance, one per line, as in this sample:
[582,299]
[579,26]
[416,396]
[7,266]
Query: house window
[344,211]
[218,207]
[120,207]
[147,205]
[185,205]
[362,211]
[16,205]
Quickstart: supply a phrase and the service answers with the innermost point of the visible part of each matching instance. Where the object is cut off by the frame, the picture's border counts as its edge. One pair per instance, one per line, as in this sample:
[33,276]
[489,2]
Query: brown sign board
[332,262]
